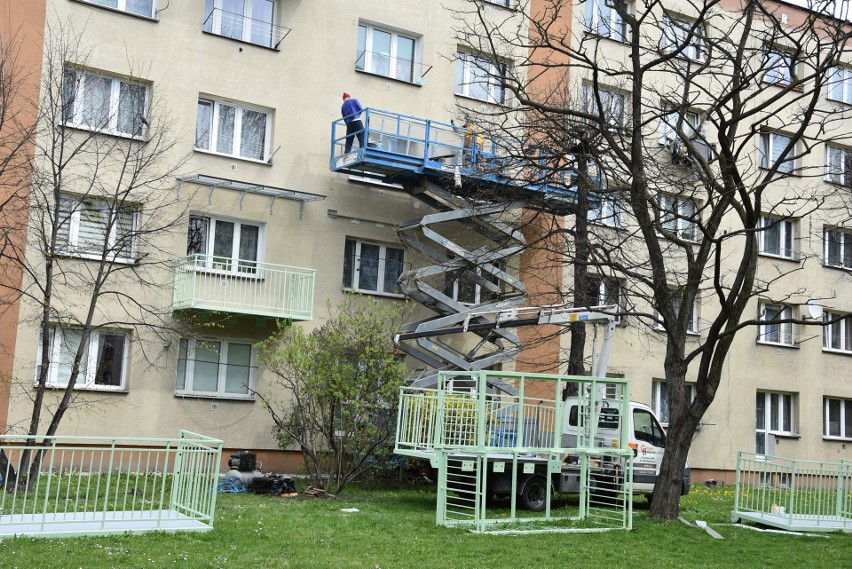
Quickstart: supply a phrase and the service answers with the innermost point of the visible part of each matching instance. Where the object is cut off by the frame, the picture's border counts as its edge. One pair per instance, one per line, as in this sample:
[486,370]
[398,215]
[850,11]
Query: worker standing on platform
[473,142]
[351,111]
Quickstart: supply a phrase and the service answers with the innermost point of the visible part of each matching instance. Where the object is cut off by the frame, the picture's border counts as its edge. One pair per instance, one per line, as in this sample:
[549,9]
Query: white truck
[646,438]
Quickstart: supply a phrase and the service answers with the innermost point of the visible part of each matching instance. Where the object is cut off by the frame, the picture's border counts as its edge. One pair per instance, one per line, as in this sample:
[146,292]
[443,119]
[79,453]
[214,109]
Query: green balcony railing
[206,282]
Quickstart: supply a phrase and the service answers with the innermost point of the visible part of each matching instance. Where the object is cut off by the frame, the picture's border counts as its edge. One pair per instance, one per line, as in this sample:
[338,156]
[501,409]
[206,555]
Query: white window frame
[607,211]
[368,59]
[691,125]
[213,134]
[71,220]
[232,264]
[124,6]
[467,64]
[838,165]
[87,378]
[351,281]
[675,31]
[190,346]
[771,146]
[839,85]
[780,67]
[614,105]
[75,85]
[216,20]
[452,289]
[844,418]
[778,408]
[775,334]
[843,240]
[602,19]
[677,215]
[786,237]
[660,399]
[693,325]
[837,336]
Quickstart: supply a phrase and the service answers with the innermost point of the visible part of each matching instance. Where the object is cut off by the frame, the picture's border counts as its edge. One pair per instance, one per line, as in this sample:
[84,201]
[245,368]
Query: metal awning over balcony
[213,183]
[237,26]
[209,283]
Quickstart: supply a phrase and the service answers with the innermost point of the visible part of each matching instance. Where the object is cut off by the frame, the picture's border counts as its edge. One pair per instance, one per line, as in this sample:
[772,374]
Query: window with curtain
[251,21]
[837,333]
[780,67]
[774,150]
[215,368]
[602,18]
[225,244]
[775,414]
[838,248]
[102,364]
[839,84]
[777,237]
[97,228]
[387,52]
[478,78]
[683,35]
[838,165]
[838,418]
[606,103]
[772,331]
[372,267]
[678,216]
[233,130]
[102,103]
[138,7]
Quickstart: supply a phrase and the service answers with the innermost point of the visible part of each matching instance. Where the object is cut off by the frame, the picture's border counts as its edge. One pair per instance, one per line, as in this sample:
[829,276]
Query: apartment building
[250,89]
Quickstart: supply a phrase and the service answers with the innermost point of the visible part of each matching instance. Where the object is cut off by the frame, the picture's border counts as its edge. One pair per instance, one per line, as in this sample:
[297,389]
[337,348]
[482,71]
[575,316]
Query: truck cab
[645,435]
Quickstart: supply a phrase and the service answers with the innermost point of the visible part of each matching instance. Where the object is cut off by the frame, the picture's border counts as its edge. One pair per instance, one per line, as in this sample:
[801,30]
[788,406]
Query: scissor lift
[474,186]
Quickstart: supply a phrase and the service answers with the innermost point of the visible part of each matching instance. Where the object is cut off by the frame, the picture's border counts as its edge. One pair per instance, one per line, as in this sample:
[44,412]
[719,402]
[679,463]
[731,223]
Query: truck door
[650,441]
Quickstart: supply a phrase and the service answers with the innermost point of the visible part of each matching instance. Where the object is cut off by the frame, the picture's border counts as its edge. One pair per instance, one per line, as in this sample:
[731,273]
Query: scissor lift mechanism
[469,188]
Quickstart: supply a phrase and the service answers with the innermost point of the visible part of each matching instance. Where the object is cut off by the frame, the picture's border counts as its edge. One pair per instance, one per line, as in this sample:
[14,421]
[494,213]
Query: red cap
[346,95]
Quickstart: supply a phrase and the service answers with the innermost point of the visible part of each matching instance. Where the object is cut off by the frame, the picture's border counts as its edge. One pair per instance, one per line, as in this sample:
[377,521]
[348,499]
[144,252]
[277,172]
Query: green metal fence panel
[475,434]
[791,494]
[63,486]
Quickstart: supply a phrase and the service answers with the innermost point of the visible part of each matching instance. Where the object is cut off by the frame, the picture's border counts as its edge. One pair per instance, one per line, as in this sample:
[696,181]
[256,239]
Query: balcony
[204,282]
[241,28]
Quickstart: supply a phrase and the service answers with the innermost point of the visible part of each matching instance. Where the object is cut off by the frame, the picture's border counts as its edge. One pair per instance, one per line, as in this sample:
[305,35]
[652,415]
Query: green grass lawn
[396,528]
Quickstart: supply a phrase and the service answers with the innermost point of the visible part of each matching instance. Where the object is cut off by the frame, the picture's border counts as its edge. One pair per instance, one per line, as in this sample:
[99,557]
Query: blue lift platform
[403,149]
[471,181]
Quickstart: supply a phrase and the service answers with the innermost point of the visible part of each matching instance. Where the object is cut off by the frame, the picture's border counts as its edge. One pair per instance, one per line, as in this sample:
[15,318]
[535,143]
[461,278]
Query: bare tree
[102,207]
[702,126]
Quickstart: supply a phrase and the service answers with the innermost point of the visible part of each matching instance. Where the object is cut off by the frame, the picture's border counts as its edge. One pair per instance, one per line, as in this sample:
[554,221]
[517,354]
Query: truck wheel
[534,495]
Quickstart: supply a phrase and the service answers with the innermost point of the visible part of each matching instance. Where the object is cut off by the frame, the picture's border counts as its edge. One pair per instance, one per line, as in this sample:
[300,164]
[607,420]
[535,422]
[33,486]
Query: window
[838,165]
[647,429]
[774,332]
[838,248]
[683,34]
[677,216]
[838,418]
[371,267]
[480,79]
[215,368]
[775,414]
[774,150]
[602,18]
[245,20]
[777,237]
[606,210]
[225,244]
[780,67]
[692,322]
[101,366]
[103,103]
[688,122]
[604,292]
[660,398]
[840,84]
[226,128]
[95,228]
[462,288]
[610,109]
[837,335]
[387,53]
[138,7]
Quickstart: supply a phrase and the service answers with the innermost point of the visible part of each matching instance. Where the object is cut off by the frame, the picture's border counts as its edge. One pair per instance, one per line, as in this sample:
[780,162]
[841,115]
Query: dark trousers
[354,129]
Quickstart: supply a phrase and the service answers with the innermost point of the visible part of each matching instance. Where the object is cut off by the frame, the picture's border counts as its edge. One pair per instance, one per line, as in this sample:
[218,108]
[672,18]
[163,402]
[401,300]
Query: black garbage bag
[275,484]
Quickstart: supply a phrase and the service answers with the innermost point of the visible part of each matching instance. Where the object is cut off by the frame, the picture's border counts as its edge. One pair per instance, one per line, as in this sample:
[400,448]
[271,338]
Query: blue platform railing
[398,144]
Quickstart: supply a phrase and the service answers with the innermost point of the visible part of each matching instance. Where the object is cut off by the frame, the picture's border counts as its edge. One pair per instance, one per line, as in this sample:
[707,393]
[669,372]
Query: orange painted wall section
[22,33]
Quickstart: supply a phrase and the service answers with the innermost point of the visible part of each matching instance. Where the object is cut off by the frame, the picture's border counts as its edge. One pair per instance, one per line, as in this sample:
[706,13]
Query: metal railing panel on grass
[93,485]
